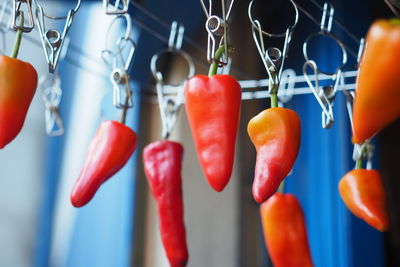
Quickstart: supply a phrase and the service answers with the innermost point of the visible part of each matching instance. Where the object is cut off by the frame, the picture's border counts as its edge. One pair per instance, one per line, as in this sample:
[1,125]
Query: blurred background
[119,227]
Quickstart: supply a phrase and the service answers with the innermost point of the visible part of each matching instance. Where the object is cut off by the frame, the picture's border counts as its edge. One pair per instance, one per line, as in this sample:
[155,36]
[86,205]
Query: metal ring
[334,38]
[158,76]
[127,32]
[277,35]
[78,5]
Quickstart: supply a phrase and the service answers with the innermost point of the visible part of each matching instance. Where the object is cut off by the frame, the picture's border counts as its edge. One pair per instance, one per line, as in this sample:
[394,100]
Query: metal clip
[120,64]
[17,12]
[273,58]
[394,6]
[53,40]
[217,27]
[120,7]
[327,17]
[51,94]
[171,102]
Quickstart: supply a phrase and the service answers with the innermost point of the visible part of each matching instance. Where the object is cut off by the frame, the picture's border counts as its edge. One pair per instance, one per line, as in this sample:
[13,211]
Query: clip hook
[217,27]
[120,64]
[120,7]
[327,17]
[51,94]
[170,102]
[17,12]
[273,58]
[53,40]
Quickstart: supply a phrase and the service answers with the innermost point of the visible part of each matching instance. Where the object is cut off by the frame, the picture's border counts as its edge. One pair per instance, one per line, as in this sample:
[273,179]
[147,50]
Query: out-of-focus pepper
[377,98]
[109,151]
[363,193]
[18,82]
[162,164]
[275,132]
[285,232]
[213,109]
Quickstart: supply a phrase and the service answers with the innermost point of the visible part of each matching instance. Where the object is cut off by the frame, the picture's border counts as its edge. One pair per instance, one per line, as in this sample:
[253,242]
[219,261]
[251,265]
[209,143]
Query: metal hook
[394,6]
[217,28]
[53,40]
[273,58]
[170,103]
[51,94]
[120,7]
[120,64]
[327,17]
[17,12]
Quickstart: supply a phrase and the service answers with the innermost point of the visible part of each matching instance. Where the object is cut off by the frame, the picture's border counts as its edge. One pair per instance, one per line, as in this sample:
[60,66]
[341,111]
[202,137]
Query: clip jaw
[273,58]
[170,102]
[17,12]
[120,7]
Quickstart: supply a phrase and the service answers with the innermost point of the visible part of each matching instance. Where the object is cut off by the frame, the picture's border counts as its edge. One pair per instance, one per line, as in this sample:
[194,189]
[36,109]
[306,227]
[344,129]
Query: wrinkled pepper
[285,232]
[213,109]
[18,82]
[377,98]
[162,164]
[364,195]
[110,149]
[275,133]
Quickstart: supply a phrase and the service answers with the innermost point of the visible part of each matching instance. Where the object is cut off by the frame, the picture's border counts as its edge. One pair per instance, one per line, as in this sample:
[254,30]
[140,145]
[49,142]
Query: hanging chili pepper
[285,232]
[18,82]
[377,98]
[364,195]
[162,164]
[275,132]
[213,109]
[109,151]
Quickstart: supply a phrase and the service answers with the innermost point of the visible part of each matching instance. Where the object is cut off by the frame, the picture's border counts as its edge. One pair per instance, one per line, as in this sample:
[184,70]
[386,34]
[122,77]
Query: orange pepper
[275,132]
[285,231]
[363,193]
[377,99]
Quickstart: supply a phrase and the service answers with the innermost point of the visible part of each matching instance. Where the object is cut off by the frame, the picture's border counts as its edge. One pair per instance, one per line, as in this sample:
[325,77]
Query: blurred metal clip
[119,7]
[16,12]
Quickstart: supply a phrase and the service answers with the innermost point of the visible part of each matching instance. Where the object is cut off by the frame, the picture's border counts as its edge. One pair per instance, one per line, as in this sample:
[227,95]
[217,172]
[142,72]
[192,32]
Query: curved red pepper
[109,151]
[162,164]
[18,81]
[364,195]
[285,231]
[213,109]
[275,132]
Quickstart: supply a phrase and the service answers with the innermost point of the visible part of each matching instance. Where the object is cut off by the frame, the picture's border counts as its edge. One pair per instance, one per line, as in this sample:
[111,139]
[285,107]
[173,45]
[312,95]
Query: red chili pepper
[162,164]
[377,98]
[109,151]
[364,195]
[275,132]
[18,82]
[285,231]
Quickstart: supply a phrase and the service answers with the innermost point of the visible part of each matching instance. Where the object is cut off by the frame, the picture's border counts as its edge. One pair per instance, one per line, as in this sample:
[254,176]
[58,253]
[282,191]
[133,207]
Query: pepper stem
[217,57]
[125,109]
[273,91]
[281,188]
[18,38]
[359,162]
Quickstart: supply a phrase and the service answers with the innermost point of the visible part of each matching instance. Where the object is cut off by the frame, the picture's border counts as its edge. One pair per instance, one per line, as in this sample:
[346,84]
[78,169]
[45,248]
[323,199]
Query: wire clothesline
[246,84]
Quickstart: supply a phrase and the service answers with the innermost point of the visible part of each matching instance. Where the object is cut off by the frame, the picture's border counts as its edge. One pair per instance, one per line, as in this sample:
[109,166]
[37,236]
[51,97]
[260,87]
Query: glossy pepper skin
[162,164]
[377,99]
[285,232]
[18,82]
[110,149]
[275,133]
[213,109]
[363,193]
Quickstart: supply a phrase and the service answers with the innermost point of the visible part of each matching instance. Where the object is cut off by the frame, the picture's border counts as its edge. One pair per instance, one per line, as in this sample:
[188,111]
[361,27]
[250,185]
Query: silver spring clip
[119,7]
[18,12]
[53,40]
[171,100]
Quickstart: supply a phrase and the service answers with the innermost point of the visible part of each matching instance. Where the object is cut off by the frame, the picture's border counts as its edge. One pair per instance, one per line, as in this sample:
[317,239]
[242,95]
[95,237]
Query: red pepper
[18,82]
[162,164]
[213,109]
[285,231]
[364,195]
[109,151]
[377,99]
[275,132]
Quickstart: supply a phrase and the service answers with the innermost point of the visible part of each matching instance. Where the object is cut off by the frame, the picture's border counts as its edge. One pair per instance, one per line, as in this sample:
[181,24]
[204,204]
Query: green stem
[359,164]
[281,188]
[125,110]
[217,57]
[273,91]
[18,38]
